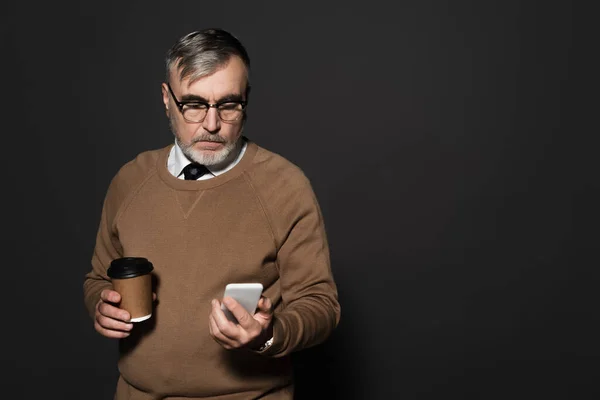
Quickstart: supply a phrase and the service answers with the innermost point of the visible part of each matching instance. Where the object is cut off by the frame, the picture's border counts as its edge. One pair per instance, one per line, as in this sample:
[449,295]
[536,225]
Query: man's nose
[212,122]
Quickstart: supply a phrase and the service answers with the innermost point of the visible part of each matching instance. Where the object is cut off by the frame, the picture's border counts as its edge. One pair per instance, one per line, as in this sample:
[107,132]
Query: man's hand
[110,320]
[250,332]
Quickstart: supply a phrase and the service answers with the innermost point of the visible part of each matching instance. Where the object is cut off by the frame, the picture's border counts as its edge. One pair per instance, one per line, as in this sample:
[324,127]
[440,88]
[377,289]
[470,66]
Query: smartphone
[247,294]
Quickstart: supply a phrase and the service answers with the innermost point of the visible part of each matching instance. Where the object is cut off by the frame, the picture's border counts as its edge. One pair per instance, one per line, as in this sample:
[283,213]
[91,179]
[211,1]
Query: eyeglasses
[195,111]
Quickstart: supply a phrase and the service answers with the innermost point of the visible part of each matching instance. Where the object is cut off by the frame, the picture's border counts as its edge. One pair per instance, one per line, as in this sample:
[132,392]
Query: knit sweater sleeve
[310,309]
[107,248]
[120,191]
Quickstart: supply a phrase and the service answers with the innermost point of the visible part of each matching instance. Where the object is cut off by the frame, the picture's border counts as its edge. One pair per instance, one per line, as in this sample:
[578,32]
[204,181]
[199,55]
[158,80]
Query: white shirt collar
[177,161]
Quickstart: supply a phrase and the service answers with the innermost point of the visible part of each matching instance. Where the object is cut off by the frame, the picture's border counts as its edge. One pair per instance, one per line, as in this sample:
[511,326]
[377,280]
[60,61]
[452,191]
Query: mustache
[211,138]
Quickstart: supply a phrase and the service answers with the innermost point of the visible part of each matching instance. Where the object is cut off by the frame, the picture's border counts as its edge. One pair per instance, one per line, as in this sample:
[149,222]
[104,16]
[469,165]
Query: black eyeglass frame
[181,104]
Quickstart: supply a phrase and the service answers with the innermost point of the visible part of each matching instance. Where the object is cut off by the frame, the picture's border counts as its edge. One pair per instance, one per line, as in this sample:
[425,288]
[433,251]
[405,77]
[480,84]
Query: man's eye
[229,106]
[195,106]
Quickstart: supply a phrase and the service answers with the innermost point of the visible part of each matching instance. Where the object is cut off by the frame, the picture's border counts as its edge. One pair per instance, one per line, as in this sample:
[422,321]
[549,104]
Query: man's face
[211,141]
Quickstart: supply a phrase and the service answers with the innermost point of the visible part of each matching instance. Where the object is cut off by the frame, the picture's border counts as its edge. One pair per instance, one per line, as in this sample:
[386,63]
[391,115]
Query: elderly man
[210,209]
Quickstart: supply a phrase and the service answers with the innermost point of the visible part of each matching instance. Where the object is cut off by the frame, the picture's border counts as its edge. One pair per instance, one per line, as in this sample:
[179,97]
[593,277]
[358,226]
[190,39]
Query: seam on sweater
[132,195]
[319,215]
[187,214]
[265,213]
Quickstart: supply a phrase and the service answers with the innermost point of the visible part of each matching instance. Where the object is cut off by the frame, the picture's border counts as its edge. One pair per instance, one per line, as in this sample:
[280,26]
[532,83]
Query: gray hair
[201,53]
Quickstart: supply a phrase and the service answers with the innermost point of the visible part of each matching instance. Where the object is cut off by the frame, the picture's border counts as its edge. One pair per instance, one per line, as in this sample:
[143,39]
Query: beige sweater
[259,222]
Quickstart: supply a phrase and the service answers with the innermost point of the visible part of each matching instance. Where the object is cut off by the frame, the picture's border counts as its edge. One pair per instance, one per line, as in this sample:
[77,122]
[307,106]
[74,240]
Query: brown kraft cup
[132,279]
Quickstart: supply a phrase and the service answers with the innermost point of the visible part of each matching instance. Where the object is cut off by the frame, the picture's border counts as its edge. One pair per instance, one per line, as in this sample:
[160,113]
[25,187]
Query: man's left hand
[250,332]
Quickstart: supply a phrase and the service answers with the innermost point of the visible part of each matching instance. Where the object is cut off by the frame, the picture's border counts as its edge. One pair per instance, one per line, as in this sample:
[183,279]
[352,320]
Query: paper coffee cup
[131,278]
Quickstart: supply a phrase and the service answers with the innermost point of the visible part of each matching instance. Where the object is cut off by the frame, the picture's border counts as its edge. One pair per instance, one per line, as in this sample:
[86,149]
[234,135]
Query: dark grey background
[437,135]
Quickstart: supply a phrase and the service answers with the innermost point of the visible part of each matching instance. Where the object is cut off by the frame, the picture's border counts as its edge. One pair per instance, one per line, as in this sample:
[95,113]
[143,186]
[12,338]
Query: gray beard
[213,158]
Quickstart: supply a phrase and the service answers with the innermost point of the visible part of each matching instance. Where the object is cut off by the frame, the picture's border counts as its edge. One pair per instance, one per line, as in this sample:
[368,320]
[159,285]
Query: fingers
[218,335]
[111,317]
[264,312]
[239,312]
[223,324]
[110,296]
[111,321]
[265,305]
[229,334]
[107,306]
[222,329]
[110,333]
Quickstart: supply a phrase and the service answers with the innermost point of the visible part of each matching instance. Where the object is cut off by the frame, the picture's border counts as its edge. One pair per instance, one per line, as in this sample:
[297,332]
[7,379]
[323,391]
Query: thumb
[264,304]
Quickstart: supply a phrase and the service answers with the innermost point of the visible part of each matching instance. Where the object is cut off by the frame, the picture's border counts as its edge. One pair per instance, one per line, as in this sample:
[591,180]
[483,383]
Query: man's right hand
[110,320]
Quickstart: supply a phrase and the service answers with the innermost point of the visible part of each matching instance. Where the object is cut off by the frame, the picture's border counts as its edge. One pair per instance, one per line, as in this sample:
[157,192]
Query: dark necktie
[194,171]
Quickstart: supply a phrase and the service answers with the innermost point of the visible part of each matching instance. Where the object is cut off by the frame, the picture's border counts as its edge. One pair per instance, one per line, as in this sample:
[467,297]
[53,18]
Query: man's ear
[165,97]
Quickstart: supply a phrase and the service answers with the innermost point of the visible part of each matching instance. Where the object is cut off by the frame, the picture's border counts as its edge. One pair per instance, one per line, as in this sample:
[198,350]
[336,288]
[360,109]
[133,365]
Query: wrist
[264,340]
[266,345]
